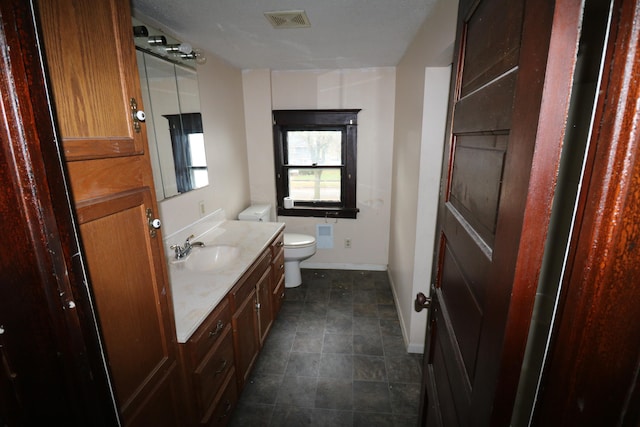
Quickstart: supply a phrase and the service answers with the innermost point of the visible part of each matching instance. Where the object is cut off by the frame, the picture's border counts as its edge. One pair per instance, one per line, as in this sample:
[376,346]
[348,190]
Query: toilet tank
[256,213]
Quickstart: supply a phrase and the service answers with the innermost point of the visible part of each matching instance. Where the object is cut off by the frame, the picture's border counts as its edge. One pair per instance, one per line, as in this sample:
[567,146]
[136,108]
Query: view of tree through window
[317,149]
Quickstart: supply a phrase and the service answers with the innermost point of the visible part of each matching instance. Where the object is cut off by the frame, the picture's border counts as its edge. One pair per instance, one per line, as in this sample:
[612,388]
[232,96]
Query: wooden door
[506,122]
[92,67]
[265,304]
[246,335]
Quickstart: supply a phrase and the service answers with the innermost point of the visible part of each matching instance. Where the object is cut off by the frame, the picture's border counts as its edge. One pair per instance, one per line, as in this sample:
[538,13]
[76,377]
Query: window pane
[196,150]
[314,184]
[200,177]
[320,147]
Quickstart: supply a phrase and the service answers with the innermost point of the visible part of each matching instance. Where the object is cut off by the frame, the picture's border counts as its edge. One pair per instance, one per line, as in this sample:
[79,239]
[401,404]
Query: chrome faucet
[182,251]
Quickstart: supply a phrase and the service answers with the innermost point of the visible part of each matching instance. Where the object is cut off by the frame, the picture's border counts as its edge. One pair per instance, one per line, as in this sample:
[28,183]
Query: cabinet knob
[141,116]
[138,116]
[227,409]
[216,331]
[223,366]
[154,223]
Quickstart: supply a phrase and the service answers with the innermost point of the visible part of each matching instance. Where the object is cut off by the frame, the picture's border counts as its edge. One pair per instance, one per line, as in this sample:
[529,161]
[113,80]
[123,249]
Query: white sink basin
[210,258]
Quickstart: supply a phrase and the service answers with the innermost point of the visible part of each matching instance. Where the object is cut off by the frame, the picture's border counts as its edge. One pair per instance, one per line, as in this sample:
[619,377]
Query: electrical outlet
[201,208]
[347,243]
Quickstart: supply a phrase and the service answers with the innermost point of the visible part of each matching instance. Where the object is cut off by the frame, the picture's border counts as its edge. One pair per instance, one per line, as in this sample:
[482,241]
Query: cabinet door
[132,305]
[265,304]
[245,335]
[91,64]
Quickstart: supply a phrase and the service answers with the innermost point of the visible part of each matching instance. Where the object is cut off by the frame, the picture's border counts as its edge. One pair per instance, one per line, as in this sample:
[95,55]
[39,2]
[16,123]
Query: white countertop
[196,294]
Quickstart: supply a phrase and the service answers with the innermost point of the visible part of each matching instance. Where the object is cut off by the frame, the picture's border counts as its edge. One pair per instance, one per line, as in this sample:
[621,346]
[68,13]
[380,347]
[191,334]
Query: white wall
[417,156]
[257,112]
[223,124]
[373,91]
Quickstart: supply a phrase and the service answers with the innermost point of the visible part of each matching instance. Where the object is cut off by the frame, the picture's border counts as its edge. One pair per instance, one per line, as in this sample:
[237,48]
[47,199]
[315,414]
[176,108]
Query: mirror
[174,124]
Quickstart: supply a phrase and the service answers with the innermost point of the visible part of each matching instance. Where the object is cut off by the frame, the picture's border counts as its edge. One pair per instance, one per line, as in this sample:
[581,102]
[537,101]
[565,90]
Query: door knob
[422,301]
[154,223]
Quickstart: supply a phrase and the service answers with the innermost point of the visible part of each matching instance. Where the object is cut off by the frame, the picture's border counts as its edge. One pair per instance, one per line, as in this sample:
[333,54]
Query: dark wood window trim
[344,120]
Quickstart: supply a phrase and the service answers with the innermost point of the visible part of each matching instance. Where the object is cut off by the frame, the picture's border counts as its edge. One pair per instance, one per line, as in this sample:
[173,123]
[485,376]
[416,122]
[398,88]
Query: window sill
[319,212]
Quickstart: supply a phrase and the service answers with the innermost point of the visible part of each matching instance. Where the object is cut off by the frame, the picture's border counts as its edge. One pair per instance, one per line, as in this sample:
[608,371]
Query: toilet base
[292,275]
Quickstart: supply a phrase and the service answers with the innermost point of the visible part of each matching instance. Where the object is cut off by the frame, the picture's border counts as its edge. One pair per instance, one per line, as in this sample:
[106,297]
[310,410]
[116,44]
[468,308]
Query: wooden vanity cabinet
[208,363]
[277,273]
[244,300]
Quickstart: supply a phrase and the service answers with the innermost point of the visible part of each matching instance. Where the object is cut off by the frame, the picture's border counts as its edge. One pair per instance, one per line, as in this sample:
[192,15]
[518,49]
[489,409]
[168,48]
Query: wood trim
[315,117]
[75,150]
[90,210]
[592,373]
[344,120]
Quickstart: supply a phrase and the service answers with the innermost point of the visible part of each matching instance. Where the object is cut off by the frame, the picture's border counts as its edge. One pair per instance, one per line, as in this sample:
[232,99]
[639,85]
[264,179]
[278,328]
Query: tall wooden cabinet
[91,62]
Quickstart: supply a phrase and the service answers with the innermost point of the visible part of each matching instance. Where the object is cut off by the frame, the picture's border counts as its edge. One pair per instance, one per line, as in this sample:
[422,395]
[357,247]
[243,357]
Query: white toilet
[297,247]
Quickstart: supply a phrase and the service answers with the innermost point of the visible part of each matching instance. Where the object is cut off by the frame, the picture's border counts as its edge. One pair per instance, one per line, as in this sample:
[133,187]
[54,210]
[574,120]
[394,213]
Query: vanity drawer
[277,279]
[213,370]
[278,265]
[277,245]
[224,405]
[278,296]
[209,333]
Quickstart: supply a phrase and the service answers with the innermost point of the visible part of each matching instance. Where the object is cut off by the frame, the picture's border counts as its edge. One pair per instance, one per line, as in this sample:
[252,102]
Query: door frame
[591,376]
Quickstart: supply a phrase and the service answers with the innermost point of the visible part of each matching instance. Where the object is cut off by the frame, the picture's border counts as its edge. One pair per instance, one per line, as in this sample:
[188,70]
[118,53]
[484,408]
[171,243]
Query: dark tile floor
[334,357]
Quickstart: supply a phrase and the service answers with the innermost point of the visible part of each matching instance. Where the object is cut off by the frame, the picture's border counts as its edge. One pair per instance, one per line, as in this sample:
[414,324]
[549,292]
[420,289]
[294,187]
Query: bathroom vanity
[224,309]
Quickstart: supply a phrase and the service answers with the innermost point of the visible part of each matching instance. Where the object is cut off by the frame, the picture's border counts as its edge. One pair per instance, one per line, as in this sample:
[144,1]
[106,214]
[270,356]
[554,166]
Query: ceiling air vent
[288,19]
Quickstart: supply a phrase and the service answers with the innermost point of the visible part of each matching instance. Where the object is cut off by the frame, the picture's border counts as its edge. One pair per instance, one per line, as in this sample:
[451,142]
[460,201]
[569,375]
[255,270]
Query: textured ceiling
[343,33]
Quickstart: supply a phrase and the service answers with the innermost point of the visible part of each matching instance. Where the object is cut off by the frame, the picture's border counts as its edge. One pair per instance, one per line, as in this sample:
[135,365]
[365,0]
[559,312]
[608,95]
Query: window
[315,162]
[187,142]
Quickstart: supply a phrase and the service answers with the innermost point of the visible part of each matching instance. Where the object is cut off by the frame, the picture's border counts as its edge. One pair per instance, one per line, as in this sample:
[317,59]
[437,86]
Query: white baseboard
[410,346]
[341,266]
[415,348]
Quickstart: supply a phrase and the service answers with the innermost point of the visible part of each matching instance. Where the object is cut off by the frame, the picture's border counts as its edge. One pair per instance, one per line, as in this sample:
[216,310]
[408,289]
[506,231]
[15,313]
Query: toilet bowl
[297,248]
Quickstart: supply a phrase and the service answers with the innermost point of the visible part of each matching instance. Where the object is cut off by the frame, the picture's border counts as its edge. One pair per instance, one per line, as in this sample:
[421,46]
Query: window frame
[343,120]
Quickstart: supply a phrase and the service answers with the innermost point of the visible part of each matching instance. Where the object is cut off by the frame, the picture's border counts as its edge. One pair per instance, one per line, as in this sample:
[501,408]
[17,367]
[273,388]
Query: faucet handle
[189,239]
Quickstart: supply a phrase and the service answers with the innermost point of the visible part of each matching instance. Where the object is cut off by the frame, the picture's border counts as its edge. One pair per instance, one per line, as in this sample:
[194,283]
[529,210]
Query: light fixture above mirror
[156,42]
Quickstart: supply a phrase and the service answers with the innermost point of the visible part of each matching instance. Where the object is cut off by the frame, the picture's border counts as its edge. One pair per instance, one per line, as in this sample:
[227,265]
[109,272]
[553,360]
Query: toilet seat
[294,240]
